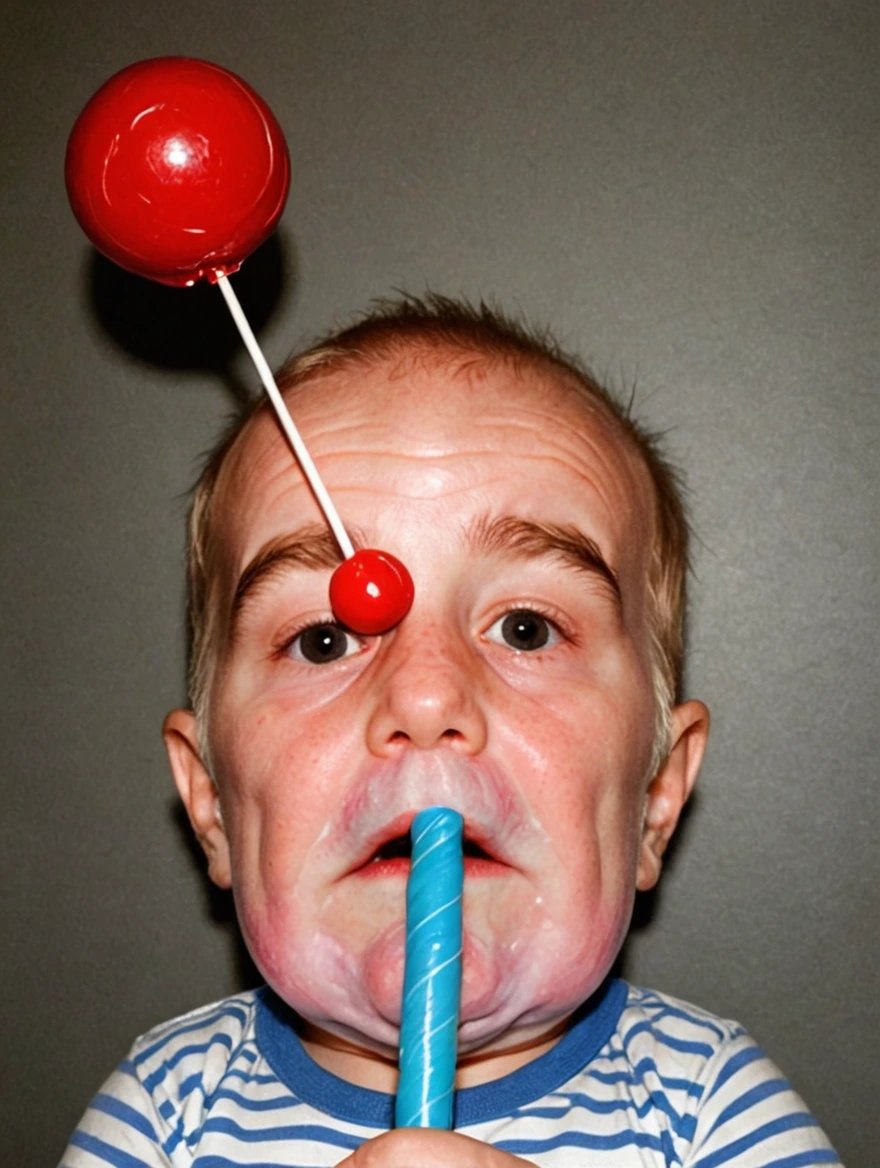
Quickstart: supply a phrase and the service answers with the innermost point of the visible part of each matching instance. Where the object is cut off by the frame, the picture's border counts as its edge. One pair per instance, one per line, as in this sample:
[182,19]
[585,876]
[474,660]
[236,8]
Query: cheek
[266,868]
[283,906]
[581,957]
[580,764]
[280,775]
[307,968]
[267,931]
[276,738]
[562,950]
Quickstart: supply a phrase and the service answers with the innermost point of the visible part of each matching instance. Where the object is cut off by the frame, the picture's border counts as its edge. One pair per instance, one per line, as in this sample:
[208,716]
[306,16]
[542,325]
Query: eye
[523,630]
[323,643]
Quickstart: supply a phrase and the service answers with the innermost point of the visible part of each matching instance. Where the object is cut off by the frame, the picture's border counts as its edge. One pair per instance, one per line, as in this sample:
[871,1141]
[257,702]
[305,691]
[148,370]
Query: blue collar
[278,1041]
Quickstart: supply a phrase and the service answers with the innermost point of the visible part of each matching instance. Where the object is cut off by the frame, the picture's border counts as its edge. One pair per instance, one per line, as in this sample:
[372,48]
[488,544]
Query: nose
[427,696]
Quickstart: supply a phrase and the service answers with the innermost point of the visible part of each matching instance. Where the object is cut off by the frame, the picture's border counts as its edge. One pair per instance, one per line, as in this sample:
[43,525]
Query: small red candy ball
[177,170]
[371,592]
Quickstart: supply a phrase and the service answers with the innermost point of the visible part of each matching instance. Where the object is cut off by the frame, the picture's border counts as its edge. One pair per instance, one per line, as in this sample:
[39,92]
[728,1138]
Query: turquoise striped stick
[432,972]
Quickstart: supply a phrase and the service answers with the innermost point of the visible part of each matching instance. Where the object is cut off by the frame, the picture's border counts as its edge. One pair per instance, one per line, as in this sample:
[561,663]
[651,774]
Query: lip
[384,799]
[398,869]
[369,864]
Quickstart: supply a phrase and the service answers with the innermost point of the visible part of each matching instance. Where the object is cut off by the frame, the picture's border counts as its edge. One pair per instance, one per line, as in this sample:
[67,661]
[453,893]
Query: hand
[413,1147]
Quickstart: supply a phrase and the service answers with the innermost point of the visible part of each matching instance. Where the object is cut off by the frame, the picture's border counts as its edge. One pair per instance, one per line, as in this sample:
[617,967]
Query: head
[533,685]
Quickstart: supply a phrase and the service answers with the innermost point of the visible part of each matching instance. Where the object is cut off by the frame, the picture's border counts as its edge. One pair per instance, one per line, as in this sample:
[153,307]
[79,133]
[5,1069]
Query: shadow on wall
[190,329]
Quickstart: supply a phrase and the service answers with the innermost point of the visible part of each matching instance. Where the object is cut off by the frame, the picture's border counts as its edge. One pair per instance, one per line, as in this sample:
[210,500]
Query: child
[532,687]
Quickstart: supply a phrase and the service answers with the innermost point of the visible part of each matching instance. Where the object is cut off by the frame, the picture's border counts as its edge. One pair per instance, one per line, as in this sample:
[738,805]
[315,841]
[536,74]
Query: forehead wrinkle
[343,413]
[601,470]
[345,428]
[344,409]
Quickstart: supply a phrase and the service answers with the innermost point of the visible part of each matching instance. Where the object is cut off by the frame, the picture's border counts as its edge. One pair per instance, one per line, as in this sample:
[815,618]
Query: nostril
[402,736]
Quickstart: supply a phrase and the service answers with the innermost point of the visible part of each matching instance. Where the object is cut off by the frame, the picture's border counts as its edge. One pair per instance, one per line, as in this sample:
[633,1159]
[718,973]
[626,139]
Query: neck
[368,1068]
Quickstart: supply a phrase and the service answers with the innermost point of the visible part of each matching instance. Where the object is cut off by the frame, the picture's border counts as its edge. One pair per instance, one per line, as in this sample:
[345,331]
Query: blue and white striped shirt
[640,1080]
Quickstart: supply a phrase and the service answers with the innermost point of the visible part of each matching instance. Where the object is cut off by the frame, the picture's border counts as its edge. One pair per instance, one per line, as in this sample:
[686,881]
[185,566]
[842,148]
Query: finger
[426,1148]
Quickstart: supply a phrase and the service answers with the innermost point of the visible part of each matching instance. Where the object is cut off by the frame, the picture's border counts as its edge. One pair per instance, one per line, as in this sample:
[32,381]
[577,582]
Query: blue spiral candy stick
[432,973]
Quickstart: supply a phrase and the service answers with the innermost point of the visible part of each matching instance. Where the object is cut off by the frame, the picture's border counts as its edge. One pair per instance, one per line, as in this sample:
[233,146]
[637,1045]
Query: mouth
[392,854]
[369,833]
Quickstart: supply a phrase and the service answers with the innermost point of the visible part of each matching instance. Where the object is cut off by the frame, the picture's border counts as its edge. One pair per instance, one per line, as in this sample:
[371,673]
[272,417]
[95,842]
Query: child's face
[538,727]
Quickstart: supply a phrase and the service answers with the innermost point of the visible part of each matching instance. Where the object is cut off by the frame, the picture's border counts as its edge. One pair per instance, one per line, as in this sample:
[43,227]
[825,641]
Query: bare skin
[419,1148]
[541,736]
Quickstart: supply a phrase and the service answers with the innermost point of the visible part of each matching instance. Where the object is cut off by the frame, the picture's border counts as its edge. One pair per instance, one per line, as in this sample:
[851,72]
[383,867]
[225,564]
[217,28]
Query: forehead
[435,426]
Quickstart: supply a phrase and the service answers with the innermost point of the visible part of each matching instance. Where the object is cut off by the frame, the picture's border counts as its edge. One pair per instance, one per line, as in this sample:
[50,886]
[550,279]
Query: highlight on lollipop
[434,777]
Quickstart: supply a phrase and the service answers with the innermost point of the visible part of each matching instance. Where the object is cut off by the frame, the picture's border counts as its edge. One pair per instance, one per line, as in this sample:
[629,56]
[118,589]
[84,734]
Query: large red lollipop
[177,170]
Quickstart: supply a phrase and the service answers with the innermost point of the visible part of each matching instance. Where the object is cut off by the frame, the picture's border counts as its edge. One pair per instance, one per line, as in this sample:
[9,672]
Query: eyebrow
[311,546]
[314,548]
[517,538]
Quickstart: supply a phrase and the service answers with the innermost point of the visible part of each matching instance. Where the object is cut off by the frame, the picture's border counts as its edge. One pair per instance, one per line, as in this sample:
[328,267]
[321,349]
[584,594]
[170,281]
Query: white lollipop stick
[287,424]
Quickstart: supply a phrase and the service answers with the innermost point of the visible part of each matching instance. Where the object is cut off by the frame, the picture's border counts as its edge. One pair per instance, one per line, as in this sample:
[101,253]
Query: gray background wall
[688,191]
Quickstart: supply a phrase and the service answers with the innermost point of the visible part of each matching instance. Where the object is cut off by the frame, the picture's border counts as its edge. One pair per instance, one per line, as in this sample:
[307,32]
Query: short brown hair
[437,324]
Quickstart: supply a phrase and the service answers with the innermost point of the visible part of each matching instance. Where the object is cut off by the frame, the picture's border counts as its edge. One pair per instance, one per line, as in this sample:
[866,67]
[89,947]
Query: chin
[509,987]
[505,989]
[383,970]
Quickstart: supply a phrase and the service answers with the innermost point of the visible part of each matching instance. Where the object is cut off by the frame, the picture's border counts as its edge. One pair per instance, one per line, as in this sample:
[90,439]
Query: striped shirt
[640,1080]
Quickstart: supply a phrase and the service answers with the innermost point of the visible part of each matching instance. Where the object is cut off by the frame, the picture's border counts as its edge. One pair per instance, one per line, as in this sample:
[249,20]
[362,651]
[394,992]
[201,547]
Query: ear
[197,790]
[670,788]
